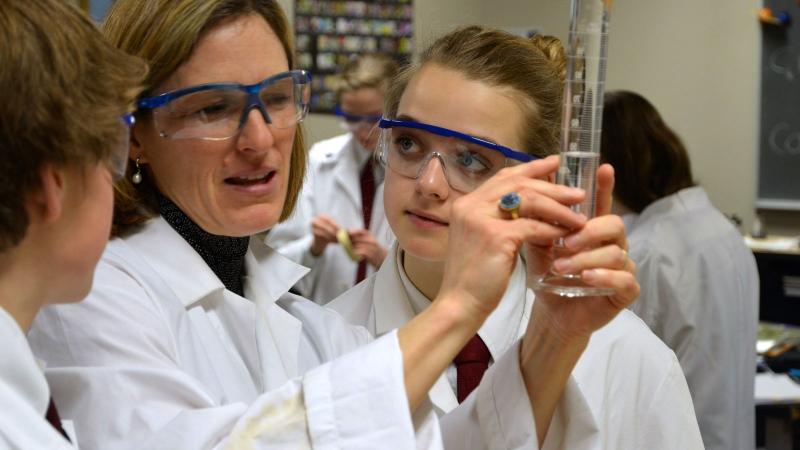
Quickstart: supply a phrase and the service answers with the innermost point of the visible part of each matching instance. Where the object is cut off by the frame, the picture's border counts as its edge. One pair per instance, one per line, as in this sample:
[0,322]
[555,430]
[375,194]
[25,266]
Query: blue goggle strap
[354,117]
[507,152]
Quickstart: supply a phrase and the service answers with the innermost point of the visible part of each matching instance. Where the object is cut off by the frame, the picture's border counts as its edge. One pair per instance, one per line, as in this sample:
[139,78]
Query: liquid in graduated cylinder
[578,170]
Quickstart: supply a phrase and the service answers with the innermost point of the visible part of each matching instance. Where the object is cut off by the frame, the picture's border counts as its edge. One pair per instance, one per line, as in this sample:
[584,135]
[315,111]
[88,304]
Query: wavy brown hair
[649,159]
[164,33]
[533,69]
[65,89]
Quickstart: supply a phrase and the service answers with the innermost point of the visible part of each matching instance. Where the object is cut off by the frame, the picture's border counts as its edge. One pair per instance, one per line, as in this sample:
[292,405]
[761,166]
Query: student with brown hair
[343,190]
[64,121]
[699,280]
[459,124]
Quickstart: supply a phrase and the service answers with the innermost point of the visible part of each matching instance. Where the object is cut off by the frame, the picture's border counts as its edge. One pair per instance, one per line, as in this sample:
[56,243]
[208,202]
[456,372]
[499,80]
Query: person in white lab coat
[420,191]
[699,280]
[341,178]
[194,340]
[56,193]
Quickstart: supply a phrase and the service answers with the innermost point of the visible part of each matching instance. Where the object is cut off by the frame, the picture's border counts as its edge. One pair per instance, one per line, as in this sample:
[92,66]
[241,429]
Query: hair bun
[552,48]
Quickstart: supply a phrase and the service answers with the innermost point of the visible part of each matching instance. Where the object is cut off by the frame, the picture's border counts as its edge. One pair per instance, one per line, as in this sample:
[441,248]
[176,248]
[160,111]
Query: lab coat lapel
[200,291]
[278,333]
[392,306]
[170,256]
[346,174]
[391,313]
[442,396]
[227,368]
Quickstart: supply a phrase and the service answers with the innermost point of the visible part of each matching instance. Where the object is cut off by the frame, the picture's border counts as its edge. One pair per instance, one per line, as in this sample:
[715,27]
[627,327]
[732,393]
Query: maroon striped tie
[54,419]
[367,180]
[471,362]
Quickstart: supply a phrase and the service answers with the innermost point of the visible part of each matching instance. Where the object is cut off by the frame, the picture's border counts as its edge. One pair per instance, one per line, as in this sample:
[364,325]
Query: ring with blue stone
[510,204]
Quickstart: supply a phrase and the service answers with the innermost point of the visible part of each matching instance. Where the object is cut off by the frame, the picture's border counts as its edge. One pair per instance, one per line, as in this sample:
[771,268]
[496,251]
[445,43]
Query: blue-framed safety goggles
[355,122]
[218,111]
[406,147]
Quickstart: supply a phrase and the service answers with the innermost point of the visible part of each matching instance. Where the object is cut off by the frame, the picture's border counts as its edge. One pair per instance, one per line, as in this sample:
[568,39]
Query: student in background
[343,191]
[699,280]
[63,137]
[459,124]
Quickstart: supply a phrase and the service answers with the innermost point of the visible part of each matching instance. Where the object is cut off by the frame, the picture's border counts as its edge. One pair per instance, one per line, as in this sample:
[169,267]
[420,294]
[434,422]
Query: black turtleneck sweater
[223,254]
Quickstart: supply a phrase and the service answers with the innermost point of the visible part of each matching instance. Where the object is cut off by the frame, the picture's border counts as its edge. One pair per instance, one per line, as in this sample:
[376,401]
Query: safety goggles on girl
[406,147]
[218,111]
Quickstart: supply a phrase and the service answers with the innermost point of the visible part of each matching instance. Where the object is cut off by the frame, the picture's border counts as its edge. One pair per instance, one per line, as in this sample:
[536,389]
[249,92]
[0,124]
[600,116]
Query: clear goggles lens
[119,157]
[466,161]
[218,111]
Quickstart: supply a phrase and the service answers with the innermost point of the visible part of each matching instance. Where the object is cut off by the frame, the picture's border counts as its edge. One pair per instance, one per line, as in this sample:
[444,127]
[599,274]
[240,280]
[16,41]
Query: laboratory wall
[698,62]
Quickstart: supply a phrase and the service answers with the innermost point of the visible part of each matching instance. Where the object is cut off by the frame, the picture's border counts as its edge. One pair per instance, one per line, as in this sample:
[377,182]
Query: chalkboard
[779,153]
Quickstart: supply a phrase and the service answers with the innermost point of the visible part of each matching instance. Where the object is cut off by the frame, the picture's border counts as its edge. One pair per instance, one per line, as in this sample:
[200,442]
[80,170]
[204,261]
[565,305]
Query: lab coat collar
[170,256]
[347,172]
[391,311]
[276,324]
[502,327]
[19,370]
[498,332]
[684,200]
[270,273]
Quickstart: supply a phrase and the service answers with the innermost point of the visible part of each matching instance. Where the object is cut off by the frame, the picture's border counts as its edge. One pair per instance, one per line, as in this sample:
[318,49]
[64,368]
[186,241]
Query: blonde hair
[371,70]
[66,89]
[164,33]
[534,69]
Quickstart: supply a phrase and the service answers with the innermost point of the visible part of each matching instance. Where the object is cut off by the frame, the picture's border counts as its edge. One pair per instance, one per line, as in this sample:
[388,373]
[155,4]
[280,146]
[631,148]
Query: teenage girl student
[477,102]
[64,119]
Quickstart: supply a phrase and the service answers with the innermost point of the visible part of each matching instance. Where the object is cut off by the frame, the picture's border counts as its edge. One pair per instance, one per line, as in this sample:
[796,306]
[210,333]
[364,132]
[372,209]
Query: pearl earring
[137,176]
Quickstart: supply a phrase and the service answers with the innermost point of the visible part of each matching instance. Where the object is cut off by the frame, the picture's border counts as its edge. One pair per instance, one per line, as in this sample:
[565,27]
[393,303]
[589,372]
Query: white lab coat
[700,296]
[627,390]
[381,314]
[333,188]
[162,356]
[24,395]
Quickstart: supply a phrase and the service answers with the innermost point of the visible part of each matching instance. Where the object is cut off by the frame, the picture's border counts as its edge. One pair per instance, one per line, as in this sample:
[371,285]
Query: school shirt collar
[501,328]
[687,199]
[190,278]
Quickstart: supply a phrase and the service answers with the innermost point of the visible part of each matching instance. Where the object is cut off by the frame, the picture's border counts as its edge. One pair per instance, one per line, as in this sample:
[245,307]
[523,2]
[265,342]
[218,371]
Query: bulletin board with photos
[328,33]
